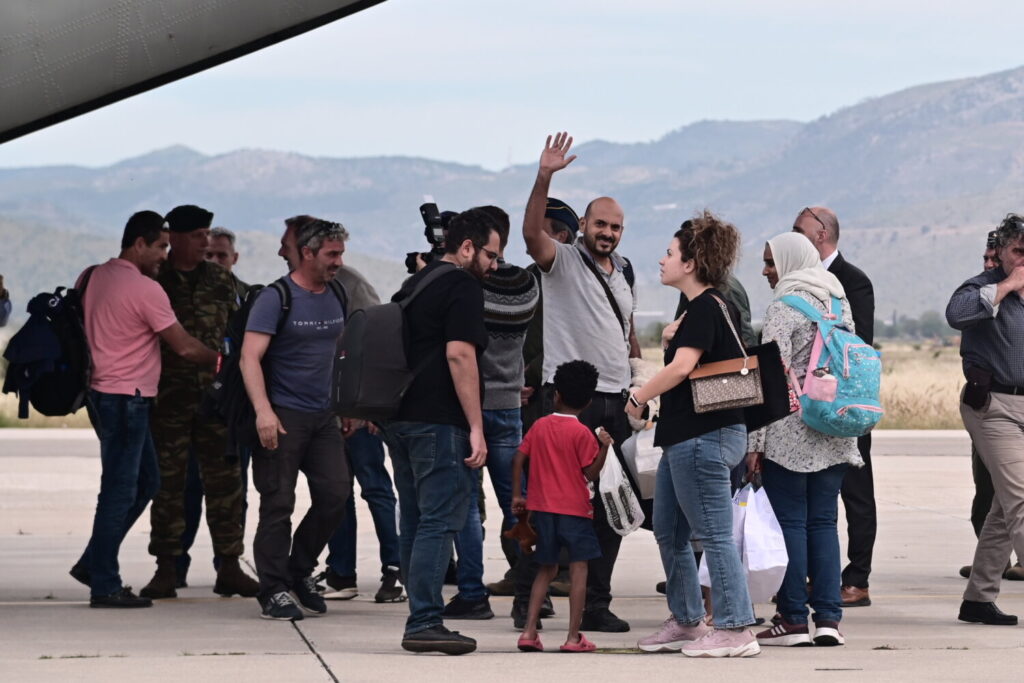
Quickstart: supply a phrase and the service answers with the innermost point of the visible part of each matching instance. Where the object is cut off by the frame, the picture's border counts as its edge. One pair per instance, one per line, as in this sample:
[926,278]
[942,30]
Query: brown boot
[163,582]
[231,580]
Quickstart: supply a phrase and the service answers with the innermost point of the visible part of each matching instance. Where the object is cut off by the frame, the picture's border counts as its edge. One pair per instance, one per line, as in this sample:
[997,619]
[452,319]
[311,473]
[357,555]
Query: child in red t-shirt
[563,455]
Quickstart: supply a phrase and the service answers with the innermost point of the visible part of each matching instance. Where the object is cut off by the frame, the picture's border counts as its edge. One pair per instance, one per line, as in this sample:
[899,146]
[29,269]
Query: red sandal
[527,645]
[581,645]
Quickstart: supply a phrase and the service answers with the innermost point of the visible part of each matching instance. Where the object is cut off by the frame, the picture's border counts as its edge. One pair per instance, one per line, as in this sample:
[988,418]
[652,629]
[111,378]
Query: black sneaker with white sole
[438,639]
[308,597]
[337,587]
[826,634]
[390,588]
[281,607]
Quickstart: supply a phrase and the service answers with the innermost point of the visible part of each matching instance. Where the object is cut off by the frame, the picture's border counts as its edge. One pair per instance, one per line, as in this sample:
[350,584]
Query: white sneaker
[723,642]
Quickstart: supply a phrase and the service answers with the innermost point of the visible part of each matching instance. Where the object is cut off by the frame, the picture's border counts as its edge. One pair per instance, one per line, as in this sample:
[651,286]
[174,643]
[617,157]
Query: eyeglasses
[807,209]
[491,255]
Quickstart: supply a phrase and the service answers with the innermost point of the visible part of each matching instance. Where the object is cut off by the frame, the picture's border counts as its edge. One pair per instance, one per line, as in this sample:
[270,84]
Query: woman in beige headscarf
[802,469]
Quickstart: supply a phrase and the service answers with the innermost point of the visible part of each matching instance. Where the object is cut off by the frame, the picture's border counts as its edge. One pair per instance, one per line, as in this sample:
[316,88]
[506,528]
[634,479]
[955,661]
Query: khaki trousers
[998,433]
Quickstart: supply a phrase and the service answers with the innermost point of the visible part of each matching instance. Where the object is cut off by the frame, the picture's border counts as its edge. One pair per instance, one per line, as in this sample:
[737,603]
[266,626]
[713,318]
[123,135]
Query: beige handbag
[727,384]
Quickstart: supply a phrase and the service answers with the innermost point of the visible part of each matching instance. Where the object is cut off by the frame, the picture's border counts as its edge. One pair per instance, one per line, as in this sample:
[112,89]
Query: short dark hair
[474,225]
[500,220]
[1010,230]
[576,382]
[148,225]
[188,217]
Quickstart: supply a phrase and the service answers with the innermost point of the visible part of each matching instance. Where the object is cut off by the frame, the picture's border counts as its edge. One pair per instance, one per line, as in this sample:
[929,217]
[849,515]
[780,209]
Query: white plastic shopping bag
[759,542]
[620,503]
[764,548]
[739,512]
[642,458]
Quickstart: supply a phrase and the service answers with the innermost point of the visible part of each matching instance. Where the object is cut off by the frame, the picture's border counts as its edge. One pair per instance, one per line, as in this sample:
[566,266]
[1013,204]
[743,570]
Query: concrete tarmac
[48,485]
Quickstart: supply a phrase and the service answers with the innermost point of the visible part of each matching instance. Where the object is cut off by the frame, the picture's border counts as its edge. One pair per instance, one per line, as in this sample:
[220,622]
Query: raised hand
[553,157]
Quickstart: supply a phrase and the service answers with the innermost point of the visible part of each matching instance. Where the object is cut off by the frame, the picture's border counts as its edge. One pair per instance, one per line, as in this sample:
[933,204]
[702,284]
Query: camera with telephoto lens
[435,225]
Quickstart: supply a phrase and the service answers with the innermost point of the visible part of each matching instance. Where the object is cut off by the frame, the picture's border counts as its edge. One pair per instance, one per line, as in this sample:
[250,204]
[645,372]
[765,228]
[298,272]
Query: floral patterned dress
[789,442]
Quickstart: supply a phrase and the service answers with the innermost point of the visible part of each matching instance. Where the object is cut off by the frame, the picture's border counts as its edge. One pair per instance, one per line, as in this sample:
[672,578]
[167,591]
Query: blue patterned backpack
[839,396]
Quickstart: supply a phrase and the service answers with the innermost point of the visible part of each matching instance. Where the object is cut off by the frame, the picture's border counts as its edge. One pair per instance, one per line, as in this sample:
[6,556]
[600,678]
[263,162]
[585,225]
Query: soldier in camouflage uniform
[203,296]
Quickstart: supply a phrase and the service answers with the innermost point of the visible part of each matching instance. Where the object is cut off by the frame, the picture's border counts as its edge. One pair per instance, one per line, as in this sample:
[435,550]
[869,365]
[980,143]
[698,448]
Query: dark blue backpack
[48,361]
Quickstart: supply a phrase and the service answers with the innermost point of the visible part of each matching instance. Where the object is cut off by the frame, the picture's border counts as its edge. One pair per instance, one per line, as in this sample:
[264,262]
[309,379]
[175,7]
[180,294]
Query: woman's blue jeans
[806,505]
[692,498]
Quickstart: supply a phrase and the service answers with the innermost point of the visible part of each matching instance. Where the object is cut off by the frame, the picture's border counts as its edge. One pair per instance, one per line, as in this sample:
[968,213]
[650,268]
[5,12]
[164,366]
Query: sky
[483,82]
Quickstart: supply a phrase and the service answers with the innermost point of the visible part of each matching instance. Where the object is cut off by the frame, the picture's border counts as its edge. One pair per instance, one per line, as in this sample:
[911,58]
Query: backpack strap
[802,305]
[589,263]
[285,292]
[427,280]
[628,272]
[339,291]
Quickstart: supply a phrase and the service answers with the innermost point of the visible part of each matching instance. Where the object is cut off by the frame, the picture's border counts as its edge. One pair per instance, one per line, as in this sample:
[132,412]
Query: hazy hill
[917,178]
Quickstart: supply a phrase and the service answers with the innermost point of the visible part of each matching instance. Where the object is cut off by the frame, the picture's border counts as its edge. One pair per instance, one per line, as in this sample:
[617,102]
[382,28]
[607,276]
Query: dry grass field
[920,390]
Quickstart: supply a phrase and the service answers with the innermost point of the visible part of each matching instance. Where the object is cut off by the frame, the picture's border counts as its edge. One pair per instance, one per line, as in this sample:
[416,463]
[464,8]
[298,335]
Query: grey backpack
[372,373]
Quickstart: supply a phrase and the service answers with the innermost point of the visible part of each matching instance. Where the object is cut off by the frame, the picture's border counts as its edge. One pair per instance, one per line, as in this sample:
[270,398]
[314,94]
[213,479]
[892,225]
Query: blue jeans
[435,491]
[129,480]
[503,430]
[692,498]
[806,505]
[366,458]
[194,507]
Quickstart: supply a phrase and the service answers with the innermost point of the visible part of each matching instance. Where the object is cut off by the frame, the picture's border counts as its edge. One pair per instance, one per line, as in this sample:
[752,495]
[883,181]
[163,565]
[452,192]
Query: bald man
[588,315]
[821,226]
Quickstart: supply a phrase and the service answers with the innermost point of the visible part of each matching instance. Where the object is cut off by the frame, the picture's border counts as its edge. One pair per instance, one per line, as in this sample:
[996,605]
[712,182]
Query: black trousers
[608,411]
[858,494]
[313,446]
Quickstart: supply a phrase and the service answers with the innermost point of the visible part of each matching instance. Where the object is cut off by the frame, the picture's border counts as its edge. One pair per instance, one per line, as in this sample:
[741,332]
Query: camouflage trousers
[177,429]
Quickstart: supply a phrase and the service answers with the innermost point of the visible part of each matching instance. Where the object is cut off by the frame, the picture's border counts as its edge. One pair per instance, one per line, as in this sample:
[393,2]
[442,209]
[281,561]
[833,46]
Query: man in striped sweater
[511,294]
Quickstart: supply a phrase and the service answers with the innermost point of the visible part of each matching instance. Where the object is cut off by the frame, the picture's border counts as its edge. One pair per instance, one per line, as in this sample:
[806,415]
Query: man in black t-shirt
[437,439]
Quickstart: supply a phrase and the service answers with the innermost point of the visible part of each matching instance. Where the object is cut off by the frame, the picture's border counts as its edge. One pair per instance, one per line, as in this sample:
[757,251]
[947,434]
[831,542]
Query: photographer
[435,229]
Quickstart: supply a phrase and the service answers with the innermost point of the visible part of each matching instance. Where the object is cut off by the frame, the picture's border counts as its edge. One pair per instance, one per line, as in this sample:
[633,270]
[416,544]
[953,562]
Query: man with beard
[436,440]
[126,315]
[588,315]
[297,429]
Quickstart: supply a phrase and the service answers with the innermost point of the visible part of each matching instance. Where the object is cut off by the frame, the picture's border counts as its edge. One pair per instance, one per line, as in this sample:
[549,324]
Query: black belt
[1007,389]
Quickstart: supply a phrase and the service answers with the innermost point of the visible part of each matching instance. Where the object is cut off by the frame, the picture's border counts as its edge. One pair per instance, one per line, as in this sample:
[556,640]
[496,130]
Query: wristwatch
[632,399]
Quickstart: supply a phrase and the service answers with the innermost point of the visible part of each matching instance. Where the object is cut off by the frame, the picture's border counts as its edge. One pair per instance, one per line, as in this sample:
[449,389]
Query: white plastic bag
[759,542]
[620,503]
[642,459]
[764,548]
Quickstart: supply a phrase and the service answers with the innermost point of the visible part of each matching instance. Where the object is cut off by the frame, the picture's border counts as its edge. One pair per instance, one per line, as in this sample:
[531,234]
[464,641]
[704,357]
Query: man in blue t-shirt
[291,395]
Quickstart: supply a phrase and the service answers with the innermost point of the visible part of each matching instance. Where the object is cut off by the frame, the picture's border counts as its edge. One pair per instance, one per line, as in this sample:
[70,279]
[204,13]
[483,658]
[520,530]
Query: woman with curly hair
[692,495]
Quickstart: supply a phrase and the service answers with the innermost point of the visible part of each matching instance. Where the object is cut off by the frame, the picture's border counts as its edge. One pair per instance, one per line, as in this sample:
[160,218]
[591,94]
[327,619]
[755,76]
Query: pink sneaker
[724,643]
[672,636]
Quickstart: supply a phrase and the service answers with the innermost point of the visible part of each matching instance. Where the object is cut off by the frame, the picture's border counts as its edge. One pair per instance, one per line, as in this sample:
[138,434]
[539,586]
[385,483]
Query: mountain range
[917,178]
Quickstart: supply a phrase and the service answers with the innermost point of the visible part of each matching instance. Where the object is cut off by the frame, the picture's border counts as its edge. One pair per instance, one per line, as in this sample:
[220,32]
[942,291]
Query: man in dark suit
[821,226]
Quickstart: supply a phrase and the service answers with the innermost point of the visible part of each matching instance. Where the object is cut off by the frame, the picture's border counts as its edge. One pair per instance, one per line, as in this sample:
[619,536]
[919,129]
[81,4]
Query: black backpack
[49,364]
[372,371]
[226,397]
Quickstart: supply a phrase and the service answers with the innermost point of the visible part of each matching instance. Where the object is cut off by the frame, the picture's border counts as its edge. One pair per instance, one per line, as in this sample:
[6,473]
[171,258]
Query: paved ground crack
[312,649]
[307,641]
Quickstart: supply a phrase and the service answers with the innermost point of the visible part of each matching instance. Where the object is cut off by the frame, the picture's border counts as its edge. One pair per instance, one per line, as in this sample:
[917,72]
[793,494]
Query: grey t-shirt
[579,323]
[301,357]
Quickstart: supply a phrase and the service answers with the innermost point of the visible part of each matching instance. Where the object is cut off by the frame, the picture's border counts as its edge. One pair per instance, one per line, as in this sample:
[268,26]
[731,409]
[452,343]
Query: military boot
[163,582]
[231,580]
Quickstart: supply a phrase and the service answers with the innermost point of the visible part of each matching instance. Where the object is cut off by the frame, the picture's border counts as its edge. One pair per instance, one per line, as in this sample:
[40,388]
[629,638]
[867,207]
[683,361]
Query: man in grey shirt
[989,311]
[588,315]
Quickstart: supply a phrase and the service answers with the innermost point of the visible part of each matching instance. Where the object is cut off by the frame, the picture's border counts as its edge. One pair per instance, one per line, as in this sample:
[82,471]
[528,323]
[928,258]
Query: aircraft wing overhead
[60,59]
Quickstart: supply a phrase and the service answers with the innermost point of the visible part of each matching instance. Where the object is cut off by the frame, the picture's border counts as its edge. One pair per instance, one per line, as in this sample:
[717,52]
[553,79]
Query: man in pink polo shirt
[126,314]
